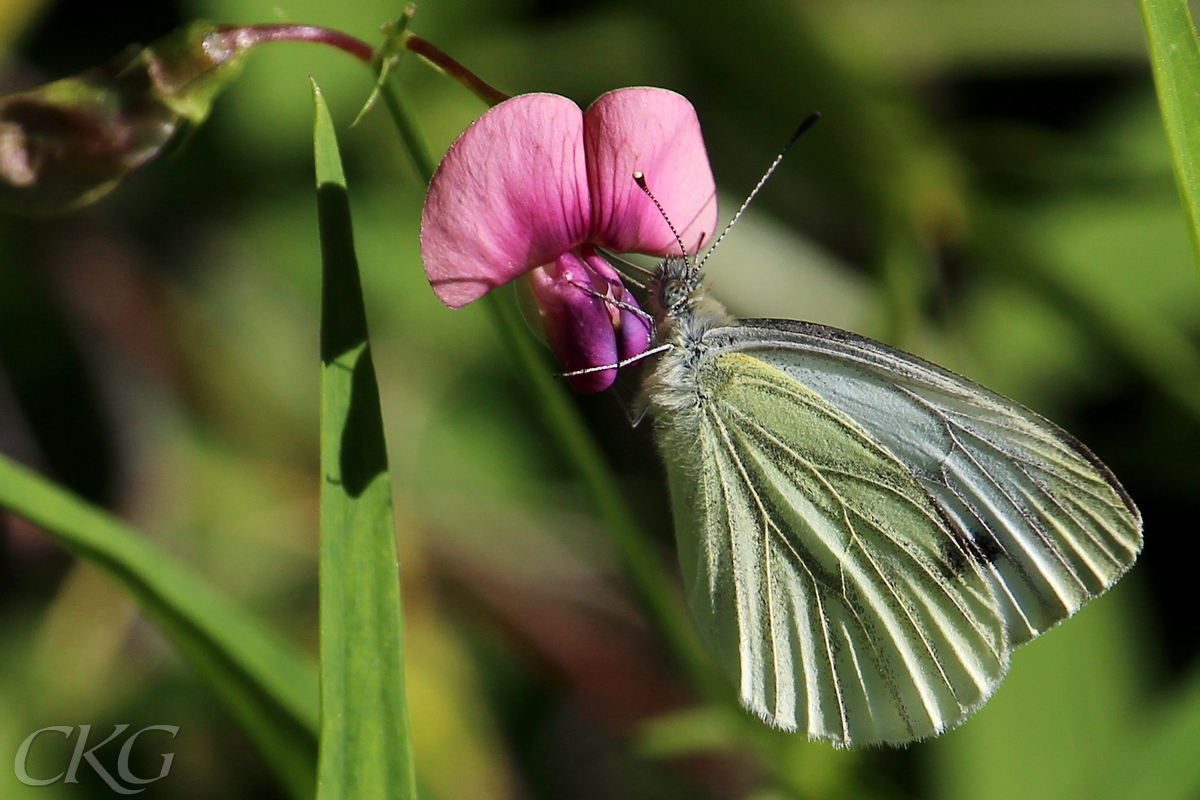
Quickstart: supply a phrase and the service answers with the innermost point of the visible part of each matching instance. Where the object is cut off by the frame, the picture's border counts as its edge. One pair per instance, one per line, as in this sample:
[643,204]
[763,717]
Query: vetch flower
[535,185]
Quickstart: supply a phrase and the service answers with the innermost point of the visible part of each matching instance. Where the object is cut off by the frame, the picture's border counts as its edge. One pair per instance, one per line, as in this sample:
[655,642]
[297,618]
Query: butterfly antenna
[629,265]
[808,122]
[640,179]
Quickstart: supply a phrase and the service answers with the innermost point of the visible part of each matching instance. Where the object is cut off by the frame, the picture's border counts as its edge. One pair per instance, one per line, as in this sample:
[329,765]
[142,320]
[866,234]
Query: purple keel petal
[511,194]
[632,329]
[655,132]
[581,328]
[633,333]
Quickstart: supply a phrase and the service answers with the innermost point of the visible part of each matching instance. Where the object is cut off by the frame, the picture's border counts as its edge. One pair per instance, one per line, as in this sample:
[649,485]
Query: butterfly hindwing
[819,569]
[1050,521]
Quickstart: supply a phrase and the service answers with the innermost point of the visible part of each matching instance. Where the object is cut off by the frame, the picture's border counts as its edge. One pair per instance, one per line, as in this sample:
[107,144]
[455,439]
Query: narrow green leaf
[266,687]
[366,752]
[1175,60]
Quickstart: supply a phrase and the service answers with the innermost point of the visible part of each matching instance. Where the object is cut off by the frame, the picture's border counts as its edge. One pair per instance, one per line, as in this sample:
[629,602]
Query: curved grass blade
[267,688]
[1175,60]
[366,751]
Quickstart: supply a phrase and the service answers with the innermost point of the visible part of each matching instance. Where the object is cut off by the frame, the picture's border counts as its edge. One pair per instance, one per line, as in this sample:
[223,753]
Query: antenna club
[809,121]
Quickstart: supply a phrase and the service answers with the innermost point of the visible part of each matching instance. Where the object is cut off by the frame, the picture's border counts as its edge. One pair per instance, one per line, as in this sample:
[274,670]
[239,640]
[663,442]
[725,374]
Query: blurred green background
[989,187]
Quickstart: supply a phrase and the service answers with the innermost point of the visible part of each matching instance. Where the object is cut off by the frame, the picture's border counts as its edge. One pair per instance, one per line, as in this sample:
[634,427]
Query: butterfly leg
[612,301]
[625,362]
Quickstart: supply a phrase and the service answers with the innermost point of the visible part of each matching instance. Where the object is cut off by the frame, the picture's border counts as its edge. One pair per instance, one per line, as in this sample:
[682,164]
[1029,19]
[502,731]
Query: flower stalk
[398,41]
[448,66]
[250,35]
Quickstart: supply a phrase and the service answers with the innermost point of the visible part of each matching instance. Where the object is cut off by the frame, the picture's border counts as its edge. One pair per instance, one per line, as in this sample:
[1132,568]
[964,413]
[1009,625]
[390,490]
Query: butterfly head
[675,285]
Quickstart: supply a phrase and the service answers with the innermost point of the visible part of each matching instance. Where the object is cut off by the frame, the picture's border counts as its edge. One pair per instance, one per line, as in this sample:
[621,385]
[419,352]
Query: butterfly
[864,536]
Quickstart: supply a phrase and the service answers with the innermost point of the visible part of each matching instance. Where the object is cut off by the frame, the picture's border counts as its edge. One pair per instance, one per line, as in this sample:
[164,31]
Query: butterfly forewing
[1049,521]
[818,567]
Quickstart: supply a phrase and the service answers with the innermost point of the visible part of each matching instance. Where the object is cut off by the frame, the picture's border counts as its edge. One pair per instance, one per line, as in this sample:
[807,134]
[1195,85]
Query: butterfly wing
[818,568]
[1051,522]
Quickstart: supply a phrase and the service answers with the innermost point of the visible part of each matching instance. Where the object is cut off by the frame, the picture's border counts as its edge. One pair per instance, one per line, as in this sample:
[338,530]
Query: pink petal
[510,195]
[581,328]
[655,132]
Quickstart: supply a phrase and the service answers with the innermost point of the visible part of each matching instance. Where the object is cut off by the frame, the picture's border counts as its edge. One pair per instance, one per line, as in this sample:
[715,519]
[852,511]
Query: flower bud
[68,143]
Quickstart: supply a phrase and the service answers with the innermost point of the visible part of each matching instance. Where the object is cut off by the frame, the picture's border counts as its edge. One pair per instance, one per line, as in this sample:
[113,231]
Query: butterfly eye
[674,295]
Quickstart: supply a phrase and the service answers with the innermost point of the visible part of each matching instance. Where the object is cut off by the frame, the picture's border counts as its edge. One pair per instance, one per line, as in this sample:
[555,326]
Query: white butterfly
[865,537]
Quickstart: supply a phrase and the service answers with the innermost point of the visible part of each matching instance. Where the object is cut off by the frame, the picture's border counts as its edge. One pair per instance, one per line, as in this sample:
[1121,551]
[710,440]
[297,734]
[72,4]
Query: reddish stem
[254,34]
[455,70]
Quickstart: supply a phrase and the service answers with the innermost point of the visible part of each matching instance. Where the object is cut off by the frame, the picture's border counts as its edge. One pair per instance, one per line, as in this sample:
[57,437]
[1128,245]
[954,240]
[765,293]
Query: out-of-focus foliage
[990,186]
[264,684]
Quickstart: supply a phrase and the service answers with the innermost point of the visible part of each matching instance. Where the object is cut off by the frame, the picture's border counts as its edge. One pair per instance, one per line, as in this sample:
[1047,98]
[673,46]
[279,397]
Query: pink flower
[535,185]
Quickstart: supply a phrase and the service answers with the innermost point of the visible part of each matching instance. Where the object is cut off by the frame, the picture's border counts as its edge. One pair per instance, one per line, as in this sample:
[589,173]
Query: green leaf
[366,751]
[269,690]
[1175,59]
